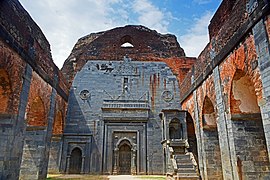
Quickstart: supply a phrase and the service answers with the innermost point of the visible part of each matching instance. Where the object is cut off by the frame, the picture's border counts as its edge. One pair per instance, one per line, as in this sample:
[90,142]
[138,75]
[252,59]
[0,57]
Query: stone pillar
[33,152]
[116,161]
[45,159]
[198,132]
[82,168]
[263,51]
[35,156]
[184,128]
[68,164]
[55,154]
[14,144]
[133,162]
[225,133]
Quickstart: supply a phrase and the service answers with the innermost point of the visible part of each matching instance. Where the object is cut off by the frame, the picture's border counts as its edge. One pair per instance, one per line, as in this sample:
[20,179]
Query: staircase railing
[194,162]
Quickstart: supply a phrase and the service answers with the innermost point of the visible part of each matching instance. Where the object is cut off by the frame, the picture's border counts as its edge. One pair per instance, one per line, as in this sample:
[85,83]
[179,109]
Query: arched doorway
[175,129]
[210,140]
[192,140]
[75,161]
[124,159]
[247,128]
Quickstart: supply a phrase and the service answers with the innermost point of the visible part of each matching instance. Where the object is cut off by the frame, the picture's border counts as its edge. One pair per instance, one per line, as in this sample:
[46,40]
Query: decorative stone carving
[84,94]
[167,96]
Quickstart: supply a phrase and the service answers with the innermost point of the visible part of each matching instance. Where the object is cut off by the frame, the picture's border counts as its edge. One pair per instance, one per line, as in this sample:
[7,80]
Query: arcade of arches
[129,101]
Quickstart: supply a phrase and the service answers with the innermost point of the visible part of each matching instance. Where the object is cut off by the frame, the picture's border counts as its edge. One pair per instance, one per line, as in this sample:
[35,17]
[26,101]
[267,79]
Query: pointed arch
[75,161]
[192,139]
[175,129]
[58,125]
[5,91]
[36,115]
[210,141]
[243,98]
[127,42]
[125,155]
[247,128]
[208,114]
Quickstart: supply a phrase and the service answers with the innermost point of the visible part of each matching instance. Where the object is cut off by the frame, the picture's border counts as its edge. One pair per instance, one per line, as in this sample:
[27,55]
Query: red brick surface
[148,46]
[12,68]
[60,115]
[39,102]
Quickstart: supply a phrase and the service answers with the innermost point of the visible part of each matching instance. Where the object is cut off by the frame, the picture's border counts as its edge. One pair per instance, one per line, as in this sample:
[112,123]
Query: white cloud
[65,21]
[151,16]
[197,37]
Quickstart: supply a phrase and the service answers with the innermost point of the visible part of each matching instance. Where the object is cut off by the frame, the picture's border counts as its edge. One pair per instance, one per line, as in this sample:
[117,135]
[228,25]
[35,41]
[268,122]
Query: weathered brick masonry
[107,46]
[231,75]
[33,94]
[157,112]
[96,66]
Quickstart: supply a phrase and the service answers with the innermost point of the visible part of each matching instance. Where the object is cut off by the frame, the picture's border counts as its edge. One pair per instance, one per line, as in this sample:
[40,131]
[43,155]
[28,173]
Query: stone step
[185,165]
[182,157]
[187,178]
[186,170]
[194,174]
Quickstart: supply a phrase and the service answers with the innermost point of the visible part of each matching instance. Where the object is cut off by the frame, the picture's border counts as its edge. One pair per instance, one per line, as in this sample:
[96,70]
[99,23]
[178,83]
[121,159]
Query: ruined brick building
[128,100]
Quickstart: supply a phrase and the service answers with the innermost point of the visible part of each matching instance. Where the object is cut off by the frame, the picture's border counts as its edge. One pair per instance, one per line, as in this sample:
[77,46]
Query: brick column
[17,140]
[263,51]
[44,163]
[37,141]
[226,142]
[198,133]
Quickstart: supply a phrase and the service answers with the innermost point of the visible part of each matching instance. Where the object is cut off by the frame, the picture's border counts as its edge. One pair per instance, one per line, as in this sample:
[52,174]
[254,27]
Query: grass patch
[76,177]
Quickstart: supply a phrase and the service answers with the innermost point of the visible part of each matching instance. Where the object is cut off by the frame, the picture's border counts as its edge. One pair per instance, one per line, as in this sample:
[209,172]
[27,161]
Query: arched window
[127,42]
[175,129]
[209,114]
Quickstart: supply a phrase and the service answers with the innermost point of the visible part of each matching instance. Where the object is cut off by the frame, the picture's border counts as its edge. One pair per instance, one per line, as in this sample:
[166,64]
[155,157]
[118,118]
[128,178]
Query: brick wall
[27,70]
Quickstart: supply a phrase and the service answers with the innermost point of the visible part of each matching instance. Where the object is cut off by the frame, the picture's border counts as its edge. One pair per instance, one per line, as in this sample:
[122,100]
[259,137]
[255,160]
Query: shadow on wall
[80,154]
[248,131]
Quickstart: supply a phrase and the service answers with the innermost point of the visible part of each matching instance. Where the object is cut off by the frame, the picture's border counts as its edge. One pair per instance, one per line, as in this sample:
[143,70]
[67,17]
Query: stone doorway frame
[133,156]
[69,156]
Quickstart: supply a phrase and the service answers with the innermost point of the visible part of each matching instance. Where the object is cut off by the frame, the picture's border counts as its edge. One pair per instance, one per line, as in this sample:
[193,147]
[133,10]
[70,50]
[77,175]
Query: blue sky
[64,21]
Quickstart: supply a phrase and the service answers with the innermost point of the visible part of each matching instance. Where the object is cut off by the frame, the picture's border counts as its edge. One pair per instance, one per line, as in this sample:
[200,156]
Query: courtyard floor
[93,177]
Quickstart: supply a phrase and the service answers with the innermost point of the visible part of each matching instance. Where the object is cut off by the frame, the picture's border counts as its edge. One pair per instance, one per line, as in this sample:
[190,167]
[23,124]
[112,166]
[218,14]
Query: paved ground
[122,177]
[97,177]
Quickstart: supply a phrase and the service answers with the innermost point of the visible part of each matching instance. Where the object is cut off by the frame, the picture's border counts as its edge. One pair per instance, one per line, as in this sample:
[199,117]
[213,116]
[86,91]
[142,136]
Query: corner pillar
[263,51]
[199,136]
[225,133]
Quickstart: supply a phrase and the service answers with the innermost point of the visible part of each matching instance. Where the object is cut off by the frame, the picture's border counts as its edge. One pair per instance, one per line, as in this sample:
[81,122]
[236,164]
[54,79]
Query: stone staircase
[185,167]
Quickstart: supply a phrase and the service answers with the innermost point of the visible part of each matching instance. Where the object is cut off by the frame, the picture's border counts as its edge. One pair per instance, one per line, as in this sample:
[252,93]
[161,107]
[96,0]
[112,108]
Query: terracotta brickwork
[12,68]
[241,59]
[107,46]
[224,94]
[39,102]
[226,21]
[227,85]
[29,83]
[60,115]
